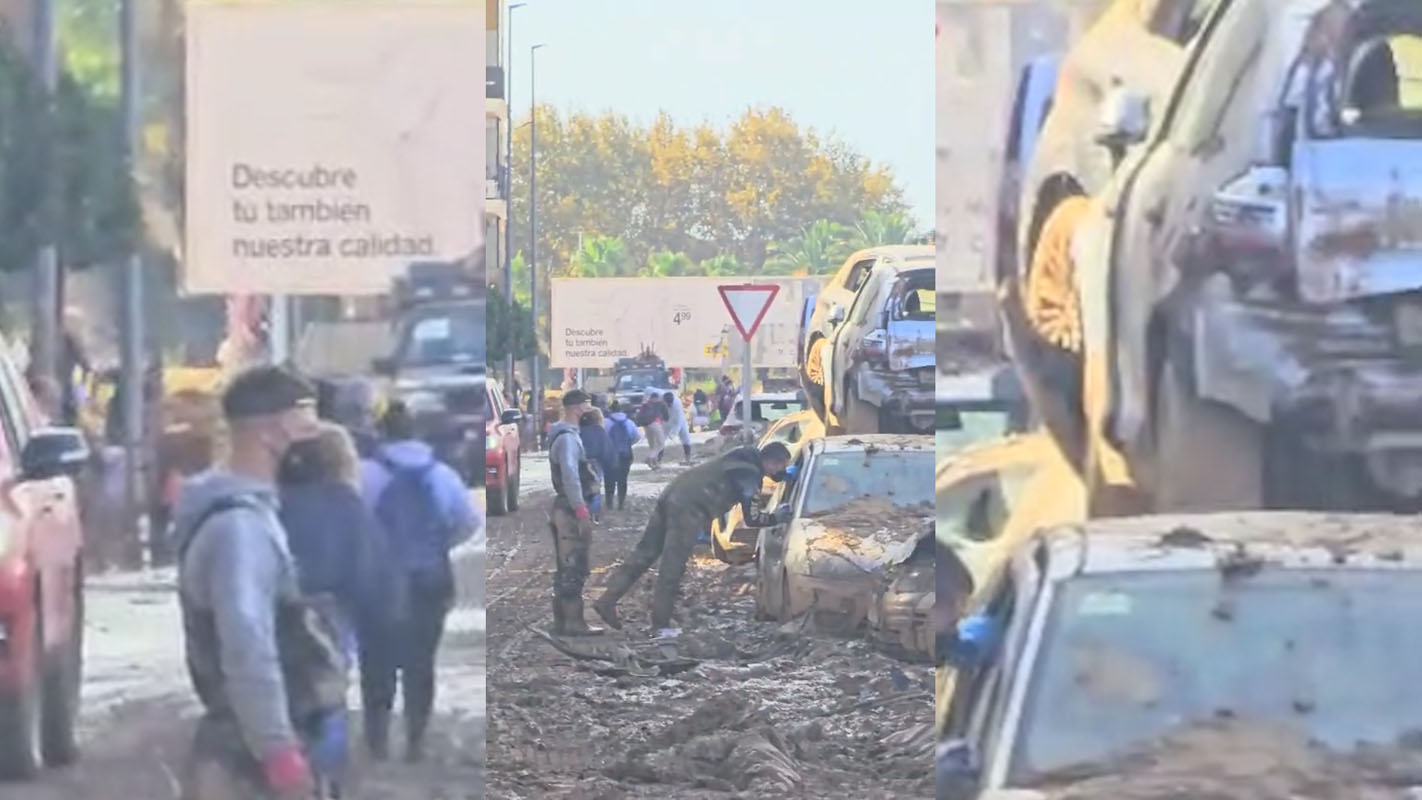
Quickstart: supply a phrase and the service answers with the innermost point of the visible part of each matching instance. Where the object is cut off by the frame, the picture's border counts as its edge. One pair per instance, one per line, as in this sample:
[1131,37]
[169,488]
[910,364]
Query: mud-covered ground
[138,708]
[748,709]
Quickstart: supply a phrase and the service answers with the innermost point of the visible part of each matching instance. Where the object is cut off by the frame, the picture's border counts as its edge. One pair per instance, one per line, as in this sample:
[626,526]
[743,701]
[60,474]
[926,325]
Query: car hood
[837,544]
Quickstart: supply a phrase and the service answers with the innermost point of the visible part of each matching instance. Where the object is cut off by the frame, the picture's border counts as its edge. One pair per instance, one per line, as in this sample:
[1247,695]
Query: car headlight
[423,402]
[493,441]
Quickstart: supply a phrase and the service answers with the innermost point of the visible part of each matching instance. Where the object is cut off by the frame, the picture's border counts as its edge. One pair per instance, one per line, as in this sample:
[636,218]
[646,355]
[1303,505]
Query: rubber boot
[377,733]
[573,622]
[558,616]
[416,723]
[606,605]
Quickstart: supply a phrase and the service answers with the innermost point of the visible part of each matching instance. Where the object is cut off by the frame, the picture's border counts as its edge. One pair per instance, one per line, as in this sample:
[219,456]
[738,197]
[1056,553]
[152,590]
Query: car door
[47,510]
[863,315]
[1202,138]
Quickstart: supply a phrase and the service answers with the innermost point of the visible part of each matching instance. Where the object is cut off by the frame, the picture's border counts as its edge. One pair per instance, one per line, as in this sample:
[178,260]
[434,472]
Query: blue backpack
[410,511]
[621,439]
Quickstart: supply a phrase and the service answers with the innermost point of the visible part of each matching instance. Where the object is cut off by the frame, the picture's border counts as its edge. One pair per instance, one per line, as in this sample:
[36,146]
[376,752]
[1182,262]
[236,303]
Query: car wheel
[769,597]
[812,376]
[1206,455]
[63,679]
[1045,330]
[496,497]
[512,481]
[21,723]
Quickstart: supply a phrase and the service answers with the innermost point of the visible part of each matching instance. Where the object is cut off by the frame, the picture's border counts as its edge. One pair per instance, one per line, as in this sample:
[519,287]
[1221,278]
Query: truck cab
[436,367]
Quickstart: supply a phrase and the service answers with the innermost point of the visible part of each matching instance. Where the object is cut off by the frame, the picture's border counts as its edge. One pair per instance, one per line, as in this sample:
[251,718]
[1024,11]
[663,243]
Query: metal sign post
[747,304]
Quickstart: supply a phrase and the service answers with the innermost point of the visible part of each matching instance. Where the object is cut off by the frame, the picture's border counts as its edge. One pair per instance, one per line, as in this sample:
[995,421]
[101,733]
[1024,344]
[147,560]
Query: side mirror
[836,315]
[52,452]
[383,365]
[511,416]
[1125,119]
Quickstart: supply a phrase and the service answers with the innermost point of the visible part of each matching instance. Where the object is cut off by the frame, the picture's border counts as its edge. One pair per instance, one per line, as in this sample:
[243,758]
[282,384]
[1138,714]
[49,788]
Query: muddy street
[737,708]
[138,707]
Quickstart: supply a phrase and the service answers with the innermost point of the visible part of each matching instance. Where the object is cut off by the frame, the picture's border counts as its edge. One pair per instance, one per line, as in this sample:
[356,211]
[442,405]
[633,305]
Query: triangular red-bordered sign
[748,303]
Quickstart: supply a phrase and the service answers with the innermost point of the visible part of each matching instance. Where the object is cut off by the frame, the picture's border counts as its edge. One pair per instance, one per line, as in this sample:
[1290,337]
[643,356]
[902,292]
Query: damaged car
[1121,654]
[1247,284]
[731,541]
[853,500]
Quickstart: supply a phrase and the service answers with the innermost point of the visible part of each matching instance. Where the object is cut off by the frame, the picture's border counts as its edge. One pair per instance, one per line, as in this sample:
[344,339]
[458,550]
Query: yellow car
[990,498]
[730,541]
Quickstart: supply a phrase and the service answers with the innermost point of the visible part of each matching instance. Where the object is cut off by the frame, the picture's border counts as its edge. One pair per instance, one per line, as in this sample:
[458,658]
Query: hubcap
[1052,304]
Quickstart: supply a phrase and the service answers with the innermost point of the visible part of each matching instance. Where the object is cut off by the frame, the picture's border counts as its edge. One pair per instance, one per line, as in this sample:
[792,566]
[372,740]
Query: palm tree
[600,257]
[666,264]
[818,250]
[877,228]
[724,264]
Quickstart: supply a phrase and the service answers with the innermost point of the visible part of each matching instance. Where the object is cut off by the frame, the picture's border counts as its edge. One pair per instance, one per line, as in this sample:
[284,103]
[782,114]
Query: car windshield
[1128,659]
[920,296]
[638,380]
[443,335]
[903,478]
[961,427]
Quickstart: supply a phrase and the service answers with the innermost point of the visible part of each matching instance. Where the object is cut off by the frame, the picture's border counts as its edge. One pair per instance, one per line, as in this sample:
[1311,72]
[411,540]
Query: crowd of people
[318,544]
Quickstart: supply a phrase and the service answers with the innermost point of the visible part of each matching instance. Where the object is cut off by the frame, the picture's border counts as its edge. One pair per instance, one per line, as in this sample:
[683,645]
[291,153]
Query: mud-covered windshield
[1129,659]
[902,478]
[451,334]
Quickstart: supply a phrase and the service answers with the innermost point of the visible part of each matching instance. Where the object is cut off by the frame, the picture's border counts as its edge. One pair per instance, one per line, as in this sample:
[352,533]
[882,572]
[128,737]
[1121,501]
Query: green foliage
[96,212]
[818,250]
[509,327]
[600,257]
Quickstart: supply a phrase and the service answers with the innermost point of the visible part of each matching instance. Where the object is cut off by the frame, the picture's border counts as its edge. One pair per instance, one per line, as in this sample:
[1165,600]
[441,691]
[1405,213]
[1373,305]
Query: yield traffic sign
[748,303]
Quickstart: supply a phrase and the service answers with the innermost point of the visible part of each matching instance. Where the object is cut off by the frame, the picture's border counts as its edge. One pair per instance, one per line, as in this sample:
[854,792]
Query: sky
[863,72]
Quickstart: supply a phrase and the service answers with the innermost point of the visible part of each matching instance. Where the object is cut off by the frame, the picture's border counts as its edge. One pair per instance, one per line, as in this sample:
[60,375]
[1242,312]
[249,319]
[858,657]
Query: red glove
[582,513]
[286,770]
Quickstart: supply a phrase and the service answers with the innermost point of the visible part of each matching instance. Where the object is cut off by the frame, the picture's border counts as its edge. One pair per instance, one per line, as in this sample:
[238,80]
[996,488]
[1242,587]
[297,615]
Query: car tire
[512,500]
[1206,455]
[769,598]
[62,683]
[859,417]
[812,376]
[21,722]
[496,498]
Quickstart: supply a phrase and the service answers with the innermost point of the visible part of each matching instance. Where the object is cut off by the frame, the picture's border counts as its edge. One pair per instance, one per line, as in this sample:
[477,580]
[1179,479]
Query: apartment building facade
[496,132]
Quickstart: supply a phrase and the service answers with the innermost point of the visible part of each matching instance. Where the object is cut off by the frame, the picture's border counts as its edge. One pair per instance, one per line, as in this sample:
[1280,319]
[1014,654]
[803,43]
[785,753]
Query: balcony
[494,82]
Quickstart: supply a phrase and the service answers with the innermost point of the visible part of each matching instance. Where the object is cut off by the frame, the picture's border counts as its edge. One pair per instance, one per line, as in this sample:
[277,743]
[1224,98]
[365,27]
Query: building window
[493,148]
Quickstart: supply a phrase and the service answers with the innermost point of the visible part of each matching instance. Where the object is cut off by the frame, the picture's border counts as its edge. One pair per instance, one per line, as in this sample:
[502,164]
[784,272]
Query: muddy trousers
[405,656]
[219,767]
[615,480]
[670,536]
[571,550]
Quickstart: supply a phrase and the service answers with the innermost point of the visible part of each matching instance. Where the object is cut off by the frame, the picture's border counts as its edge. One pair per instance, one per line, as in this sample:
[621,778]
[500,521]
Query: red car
[502,460]
[41,584]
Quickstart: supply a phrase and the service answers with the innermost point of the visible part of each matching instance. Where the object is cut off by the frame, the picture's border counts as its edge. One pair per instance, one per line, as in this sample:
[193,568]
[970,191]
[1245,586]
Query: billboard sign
[596,321]
[330,144]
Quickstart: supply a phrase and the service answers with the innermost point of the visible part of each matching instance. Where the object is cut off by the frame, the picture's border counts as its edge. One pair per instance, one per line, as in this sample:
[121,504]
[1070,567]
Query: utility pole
[507,177]
[45,330]
[533,234]
[131,356]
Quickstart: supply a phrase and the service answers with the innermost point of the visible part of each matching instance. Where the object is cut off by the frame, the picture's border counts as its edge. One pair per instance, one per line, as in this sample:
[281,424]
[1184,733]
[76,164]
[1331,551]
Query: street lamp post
[507,176]
[48,290]
[533,235]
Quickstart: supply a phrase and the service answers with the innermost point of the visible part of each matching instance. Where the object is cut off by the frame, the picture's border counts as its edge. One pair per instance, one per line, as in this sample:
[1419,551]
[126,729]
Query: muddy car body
[503,452]
[1246,279]
[878,363]
[1119,634]
[831,308]
[733,542]
[853,500]
[41,584]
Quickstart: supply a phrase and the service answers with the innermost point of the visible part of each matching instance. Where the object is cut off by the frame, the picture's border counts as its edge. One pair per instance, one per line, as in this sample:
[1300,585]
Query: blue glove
[783,513]
[329,750]
[978,637]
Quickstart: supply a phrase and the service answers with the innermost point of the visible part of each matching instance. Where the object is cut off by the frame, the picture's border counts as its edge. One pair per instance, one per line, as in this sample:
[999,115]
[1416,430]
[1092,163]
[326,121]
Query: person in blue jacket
[622,434]
[597,448]
[426,511]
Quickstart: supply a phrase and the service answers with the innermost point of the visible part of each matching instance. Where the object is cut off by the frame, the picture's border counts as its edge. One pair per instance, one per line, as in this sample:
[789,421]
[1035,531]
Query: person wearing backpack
[425,509]
[265,666]
[597,448]
[622,434]
[570,518]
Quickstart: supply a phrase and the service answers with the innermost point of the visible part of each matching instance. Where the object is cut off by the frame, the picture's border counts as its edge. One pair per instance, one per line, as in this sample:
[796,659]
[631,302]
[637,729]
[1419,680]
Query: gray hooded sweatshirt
[564,456]
[237,571]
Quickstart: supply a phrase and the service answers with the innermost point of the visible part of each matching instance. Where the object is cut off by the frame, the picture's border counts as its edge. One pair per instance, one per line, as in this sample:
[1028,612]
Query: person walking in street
[425,509]
[676,426]
[597,448]
[653,416]
[684,511]
[570,518]
[342,559]
[263,665]
[622,434]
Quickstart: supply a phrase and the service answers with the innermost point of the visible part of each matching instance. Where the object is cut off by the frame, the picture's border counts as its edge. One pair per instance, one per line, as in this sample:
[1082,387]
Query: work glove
[584,517]
[783,513]
[287,773]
